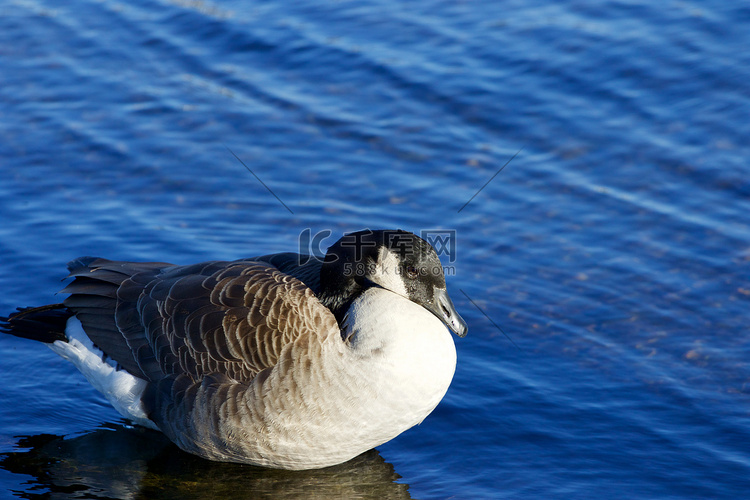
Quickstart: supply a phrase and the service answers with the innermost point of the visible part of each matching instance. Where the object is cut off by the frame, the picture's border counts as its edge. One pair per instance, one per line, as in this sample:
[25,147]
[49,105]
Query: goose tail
[43,324]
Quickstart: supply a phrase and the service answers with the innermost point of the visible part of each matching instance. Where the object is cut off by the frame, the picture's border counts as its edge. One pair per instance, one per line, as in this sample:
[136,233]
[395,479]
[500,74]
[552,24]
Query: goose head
[394,260]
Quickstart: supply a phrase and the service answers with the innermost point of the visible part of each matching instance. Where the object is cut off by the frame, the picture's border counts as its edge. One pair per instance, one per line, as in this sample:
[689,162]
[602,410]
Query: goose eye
[412,272]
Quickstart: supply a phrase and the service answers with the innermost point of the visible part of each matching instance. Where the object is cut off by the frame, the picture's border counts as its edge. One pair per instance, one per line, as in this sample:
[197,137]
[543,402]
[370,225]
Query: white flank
[122,389]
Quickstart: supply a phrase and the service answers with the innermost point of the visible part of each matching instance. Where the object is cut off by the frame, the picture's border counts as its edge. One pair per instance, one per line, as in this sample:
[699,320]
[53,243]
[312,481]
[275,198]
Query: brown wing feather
[160,320]
[273,323]
[305,268]
[94,300]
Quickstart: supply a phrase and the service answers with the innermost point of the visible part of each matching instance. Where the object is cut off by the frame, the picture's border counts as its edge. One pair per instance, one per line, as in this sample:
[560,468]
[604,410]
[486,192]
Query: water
[614,250]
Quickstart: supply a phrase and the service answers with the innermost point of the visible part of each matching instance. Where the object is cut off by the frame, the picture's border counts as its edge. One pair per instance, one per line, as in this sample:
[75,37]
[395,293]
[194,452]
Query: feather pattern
[228,317]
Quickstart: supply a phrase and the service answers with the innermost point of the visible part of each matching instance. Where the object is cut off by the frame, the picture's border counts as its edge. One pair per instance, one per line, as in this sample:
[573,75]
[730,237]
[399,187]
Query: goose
[284,361]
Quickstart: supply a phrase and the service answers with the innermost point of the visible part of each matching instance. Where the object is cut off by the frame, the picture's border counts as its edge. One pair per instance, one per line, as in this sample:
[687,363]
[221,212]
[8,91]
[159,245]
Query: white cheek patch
[387,272]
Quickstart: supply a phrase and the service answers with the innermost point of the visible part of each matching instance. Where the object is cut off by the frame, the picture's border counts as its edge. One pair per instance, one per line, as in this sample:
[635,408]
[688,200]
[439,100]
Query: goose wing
[229,319]
[305,268]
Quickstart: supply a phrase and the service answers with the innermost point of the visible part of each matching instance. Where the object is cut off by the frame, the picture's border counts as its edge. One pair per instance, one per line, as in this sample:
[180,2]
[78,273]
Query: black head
[398,261]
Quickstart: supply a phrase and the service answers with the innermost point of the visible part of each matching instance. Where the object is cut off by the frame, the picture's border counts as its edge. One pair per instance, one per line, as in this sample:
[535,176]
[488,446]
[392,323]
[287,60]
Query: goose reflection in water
[128,463]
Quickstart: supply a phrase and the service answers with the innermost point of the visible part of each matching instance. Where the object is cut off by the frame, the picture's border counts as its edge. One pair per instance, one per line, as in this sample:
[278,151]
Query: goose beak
[442,307]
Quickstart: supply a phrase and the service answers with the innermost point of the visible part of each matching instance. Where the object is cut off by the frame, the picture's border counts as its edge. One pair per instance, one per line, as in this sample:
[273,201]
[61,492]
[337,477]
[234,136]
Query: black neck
[338,300]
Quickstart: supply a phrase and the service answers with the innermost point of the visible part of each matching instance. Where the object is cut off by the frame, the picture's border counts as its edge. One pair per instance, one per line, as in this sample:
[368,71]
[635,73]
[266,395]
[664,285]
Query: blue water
[614,249]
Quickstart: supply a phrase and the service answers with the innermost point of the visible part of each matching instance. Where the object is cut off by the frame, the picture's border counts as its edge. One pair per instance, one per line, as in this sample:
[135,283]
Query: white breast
[404,354]
[403,349]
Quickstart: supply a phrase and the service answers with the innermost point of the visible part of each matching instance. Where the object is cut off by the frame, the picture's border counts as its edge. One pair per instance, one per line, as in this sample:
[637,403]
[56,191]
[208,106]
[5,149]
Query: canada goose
[280,361]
